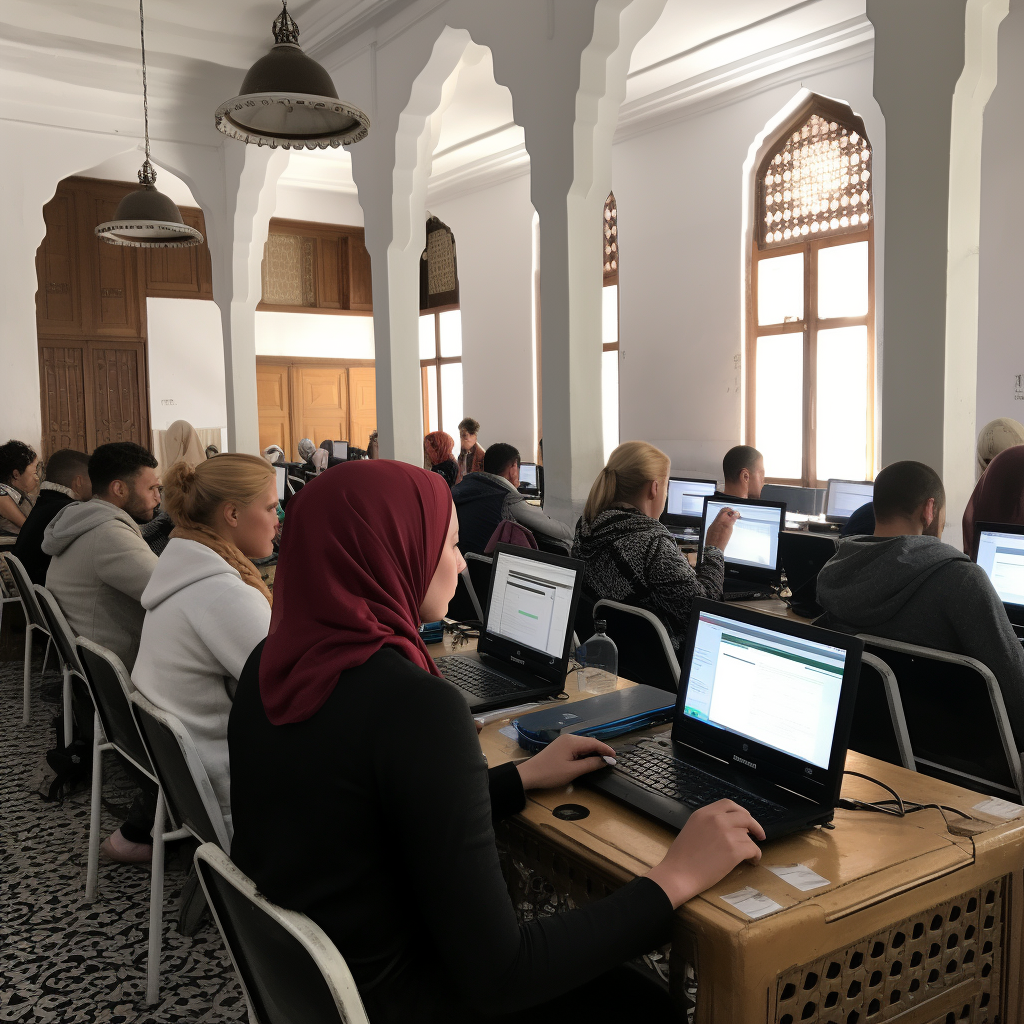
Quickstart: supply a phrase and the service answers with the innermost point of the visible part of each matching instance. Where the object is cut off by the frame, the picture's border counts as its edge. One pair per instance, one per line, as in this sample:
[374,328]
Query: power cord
[902,808]
[463,632]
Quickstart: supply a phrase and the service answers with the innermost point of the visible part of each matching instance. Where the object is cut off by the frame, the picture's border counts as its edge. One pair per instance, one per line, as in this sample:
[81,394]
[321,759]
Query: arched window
[610,327]
[811,337]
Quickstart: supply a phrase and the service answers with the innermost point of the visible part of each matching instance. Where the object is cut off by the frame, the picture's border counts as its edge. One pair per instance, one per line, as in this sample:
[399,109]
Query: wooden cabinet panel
[58,298]
[360,287]
[111,273]
[119,392]
[181,273]
[274,408]
[62,379]
[322,394]
[362,398]
[330,264]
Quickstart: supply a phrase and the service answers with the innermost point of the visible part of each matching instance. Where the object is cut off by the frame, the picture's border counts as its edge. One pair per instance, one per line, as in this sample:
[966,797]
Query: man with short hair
[743,470]
[471,454]
[903,583]
[487,497]
[67,481]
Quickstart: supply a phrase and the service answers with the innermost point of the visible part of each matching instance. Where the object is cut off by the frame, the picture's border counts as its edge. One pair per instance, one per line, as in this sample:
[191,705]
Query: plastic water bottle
[599,658]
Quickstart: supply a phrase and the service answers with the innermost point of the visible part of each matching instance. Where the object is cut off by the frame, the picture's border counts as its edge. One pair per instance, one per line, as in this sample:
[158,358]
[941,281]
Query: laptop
[801,502]
[523,653]
[684,505]
[340,450]
[281,472]
[999,550]
[803,557]
[752,564]
[844,497]
[531,479]
[762,718]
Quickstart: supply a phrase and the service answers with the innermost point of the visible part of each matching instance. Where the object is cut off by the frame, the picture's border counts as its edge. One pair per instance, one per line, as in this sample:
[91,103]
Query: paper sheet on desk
[999,808]
[799,876]
[752,903]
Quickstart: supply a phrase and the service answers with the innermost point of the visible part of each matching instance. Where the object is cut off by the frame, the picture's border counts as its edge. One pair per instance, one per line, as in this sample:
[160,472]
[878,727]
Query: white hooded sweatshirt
[202,623]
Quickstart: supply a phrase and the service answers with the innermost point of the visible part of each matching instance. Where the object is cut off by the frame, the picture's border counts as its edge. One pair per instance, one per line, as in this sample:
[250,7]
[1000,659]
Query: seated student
[418,905]
[471,455]
[903,583]
[99,568]
[743,473]
[206,605]
[998,496]
[630,556]
[437,454]
[484,499]
[181,444]
[19,478]
[67,481]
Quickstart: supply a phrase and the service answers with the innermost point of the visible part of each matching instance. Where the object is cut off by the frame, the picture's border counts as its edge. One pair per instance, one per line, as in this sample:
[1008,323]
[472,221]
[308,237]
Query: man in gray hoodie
[904,584]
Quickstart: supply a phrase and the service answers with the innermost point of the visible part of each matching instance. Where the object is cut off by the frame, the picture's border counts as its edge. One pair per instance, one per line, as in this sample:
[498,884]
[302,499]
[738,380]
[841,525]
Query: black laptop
[752,564]
[531,480]
[762,718]
[803,557]
[684,505]
[523,653]
[999,550]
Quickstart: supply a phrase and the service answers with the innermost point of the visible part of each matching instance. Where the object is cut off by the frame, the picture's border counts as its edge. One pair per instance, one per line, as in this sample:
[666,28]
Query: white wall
[494,245]
[186,363]
[680,196]
[314,335]
[321,205]
[1000,326]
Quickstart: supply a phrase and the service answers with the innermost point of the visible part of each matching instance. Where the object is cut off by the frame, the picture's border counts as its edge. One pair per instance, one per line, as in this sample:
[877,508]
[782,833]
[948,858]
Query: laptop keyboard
[477,679]
[663,774]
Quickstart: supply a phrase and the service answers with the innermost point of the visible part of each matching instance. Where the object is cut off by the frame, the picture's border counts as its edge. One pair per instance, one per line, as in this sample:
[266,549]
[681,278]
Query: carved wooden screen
[62,374]
[610,327]
[810,376]
[611,240]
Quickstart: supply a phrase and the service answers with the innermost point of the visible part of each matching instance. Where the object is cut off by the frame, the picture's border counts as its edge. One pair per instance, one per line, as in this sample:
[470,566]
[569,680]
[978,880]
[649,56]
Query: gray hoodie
[921,591]
[99,569]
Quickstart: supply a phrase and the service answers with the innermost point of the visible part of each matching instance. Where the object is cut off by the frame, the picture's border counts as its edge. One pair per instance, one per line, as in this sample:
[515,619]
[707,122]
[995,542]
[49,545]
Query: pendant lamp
[147,218]
[289,100]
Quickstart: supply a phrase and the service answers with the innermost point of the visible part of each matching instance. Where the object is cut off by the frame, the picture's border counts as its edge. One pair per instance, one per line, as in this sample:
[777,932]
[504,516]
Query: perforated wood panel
[951,954]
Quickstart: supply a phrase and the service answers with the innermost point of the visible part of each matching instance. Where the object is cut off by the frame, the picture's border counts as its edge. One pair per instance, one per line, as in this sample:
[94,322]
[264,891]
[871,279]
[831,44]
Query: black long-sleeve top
[374,817]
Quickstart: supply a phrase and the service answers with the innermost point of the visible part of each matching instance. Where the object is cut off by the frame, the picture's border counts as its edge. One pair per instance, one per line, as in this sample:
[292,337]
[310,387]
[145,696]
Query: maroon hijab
[998,496]
[360,546]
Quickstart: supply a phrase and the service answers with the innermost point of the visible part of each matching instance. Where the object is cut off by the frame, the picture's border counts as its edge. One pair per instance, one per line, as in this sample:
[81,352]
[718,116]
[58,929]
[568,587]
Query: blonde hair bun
[191,497]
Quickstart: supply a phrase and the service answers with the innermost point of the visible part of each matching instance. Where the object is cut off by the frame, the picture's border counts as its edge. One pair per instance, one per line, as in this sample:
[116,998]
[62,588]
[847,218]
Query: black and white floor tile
[64,959]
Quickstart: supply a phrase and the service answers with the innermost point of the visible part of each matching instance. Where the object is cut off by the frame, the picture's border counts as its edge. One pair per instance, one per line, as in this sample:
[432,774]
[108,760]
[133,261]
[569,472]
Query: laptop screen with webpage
[532,602]
[753,549]
[685,499]
[1001,555]
[846,496]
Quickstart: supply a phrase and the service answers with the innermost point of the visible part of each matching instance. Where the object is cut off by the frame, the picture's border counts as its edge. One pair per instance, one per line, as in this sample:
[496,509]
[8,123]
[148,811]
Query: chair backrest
[288,967]
[955,717]
[465,605]
[480,567]
[510,532]
[183,778]
[645,650]
[27,593]
[58,628]
[109,686]
[879,728]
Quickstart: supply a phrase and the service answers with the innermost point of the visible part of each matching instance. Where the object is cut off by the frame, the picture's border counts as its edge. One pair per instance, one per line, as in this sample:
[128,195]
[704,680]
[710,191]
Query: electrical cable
[902,808]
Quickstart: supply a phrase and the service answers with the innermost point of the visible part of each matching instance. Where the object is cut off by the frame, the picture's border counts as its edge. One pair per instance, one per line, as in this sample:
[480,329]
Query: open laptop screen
[340,449]
[753,550]
[685,500]
[846,496]
[282,474]
[1001,555]
[528,475]
[763,685]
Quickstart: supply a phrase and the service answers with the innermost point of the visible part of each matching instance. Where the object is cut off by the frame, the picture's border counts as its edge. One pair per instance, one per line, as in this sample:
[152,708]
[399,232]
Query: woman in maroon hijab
[437,455]
[359,793]
[998,496]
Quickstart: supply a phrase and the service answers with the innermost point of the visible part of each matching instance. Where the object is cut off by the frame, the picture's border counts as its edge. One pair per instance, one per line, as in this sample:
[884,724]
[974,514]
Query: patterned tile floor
[64,959]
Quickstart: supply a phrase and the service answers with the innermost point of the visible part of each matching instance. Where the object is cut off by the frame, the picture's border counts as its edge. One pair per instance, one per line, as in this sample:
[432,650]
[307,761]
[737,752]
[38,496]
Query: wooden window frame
[437,362]
[811,323]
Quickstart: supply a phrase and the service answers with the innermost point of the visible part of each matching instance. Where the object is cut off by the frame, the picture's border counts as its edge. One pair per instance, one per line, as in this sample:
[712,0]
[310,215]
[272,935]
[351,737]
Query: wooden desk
[916,921]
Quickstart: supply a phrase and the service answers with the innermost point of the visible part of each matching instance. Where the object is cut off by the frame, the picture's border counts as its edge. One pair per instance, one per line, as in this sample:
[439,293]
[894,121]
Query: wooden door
[62,374]
[111,272]
[59,293]
[360,287]
[181,273]
[362,399]
[321,397]
[274,408]
[120,396]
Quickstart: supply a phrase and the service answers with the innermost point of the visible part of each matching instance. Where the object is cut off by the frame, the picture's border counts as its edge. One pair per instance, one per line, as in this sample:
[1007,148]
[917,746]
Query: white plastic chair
[34,622]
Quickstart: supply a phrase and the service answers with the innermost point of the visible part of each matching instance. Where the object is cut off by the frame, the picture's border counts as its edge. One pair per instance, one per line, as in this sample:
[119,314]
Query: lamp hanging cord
[147,176]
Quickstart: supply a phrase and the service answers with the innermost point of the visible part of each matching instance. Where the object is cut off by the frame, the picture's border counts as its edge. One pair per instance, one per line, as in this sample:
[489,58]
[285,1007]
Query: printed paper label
[999,808]
[752,903]
[800,876]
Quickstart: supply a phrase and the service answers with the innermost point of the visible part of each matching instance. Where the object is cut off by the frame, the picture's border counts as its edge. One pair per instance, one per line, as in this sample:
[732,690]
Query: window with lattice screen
[610,327]
[810,338]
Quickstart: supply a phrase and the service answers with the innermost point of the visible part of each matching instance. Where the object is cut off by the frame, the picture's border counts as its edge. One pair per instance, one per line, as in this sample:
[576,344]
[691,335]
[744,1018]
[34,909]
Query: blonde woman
[206,605]
[630,556]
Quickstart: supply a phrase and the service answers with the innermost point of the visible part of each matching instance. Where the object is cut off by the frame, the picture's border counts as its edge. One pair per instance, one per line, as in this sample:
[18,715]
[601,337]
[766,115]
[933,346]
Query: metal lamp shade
[148,219]
[289,100]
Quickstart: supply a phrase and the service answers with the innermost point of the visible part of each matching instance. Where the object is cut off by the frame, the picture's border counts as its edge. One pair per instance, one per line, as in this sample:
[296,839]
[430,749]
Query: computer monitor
[340,449]
[805,501]
[531,607]
[844,497]
[999,550]
[752,554]
[684,505]
[282,478]
[529,479]
[768,693]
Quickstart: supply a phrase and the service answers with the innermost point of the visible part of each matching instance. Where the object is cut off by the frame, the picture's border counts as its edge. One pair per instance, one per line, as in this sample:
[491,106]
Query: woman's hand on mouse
[714,840]
[563,760]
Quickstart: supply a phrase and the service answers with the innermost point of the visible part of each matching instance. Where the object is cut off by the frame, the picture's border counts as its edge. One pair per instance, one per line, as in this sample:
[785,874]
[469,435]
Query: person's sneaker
[124,851]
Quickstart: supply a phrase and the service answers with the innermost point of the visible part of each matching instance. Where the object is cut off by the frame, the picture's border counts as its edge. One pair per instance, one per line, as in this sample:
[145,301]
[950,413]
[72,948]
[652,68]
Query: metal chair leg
[27,673]
[46,656]
[69,720]
[94,813]
[156,904]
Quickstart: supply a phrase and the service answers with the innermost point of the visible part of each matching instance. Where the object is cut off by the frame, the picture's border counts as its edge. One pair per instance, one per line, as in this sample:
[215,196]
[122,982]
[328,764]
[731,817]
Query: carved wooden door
[322,402]
[274,408]
[362,404]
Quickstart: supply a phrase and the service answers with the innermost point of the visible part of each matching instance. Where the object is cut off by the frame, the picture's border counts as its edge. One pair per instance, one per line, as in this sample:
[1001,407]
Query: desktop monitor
[340,449]
[1000,552]
[684,505]
[282,477]
[752,554]
[805,501]
[844,497]
[529,477]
